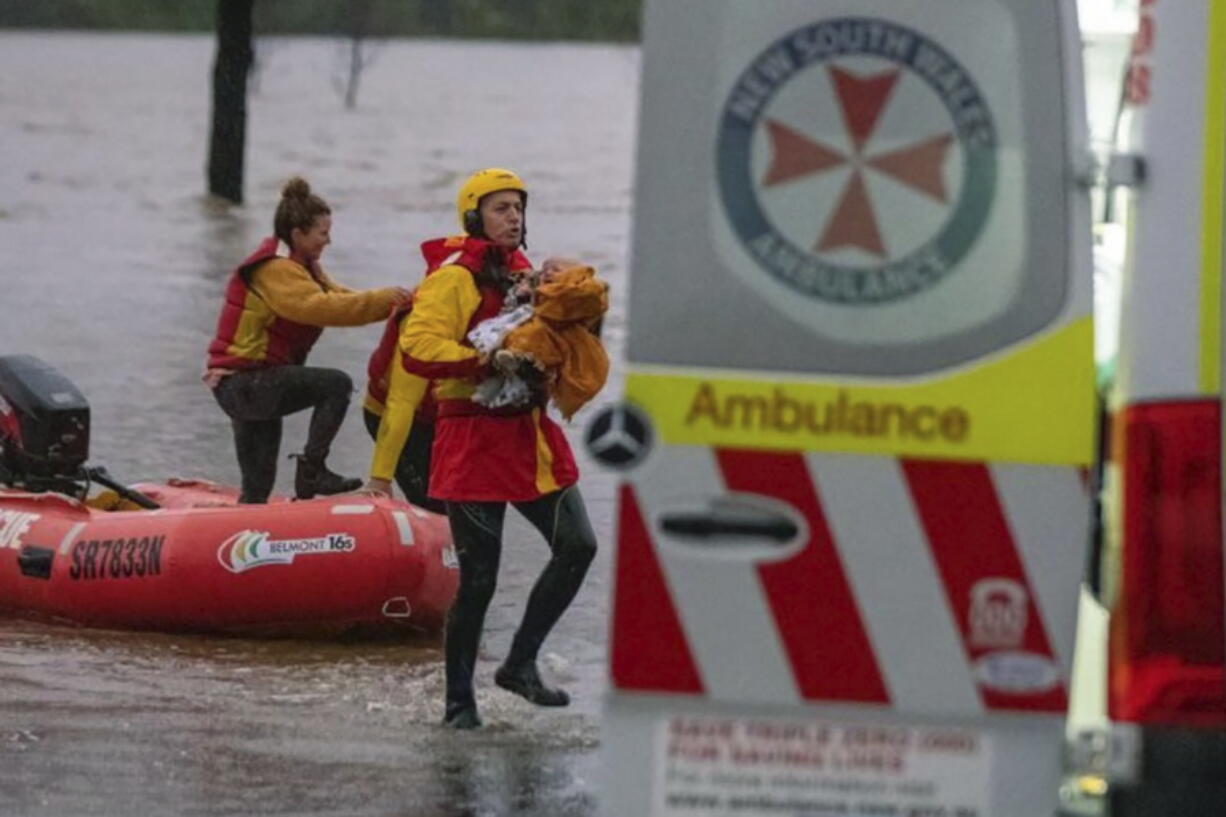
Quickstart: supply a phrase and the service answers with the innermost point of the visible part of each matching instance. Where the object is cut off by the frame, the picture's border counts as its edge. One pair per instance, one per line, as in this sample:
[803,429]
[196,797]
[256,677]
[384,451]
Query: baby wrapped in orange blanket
[561,338]
[559,341]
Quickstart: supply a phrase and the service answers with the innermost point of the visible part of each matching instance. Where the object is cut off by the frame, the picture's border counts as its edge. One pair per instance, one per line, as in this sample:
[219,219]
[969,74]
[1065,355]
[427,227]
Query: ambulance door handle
[730,523]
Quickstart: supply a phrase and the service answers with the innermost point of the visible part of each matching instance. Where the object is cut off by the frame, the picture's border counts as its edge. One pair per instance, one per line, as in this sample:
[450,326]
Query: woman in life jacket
[484,458]
[399,410]
[276,304]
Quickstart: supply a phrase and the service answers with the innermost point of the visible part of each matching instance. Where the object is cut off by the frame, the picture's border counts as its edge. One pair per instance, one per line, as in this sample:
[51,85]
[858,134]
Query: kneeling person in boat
[276,304]
[484,458]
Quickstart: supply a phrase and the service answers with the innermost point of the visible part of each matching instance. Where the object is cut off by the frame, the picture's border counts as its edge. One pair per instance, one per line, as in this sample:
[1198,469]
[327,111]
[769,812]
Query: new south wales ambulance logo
[856,161]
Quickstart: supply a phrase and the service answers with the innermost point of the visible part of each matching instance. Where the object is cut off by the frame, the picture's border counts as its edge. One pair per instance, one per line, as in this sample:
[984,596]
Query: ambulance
[859,416]
[1162,548]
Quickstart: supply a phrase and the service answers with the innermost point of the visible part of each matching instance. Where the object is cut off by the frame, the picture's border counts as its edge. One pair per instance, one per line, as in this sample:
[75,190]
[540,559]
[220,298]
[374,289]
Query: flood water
[112,267]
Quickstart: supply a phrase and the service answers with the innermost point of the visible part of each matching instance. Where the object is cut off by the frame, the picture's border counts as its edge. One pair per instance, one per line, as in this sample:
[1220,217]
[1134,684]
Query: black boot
[461,716]
[525,681]
[314,479]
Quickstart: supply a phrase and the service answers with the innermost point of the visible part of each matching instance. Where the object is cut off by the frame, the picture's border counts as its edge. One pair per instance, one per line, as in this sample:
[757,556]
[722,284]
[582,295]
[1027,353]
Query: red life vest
[284,342]
[464,251]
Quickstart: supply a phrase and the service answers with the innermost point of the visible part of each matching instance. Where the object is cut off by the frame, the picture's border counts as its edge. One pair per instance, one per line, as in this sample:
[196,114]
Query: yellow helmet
[479,185]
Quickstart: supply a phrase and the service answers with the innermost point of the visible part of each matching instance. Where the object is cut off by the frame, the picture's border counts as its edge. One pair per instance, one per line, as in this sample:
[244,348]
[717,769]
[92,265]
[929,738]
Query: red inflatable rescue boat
[183,556]
[201,563]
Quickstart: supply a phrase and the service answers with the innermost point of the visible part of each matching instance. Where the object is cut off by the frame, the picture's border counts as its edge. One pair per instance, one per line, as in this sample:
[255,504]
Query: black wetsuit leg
[257,443]
[254,398]
[413,467]
[476,530]
[562,519]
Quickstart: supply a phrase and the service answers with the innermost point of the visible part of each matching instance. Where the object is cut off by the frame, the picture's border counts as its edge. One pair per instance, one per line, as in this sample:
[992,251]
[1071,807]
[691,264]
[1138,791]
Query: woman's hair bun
[298,208]
[296,188]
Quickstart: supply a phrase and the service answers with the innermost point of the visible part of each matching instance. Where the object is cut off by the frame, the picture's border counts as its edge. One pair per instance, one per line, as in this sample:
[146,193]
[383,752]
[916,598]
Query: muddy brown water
[112,268]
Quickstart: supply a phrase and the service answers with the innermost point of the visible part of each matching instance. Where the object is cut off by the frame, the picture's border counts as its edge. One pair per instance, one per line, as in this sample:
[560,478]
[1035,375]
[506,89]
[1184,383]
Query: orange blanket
[560,338]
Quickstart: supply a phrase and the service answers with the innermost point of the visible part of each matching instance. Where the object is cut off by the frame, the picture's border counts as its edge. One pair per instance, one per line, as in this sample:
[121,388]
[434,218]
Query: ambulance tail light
[1168,626]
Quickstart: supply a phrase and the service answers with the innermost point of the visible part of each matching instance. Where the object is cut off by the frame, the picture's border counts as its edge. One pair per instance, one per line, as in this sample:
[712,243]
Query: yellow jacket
[405,393]
[288,291]
[431,336]
[274,315]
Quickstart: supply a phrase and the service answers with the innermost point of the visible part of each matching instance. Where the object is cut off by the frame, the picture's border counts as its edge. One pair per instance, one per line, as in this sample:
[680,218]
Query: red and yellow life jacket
[248,335]
[479,454]
[464,251]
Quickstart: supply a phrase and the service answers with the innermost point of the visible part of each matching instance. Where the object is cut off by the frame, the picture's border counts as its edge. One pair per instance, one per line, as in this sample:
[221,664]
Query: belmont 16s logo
[856,161]
[248,549]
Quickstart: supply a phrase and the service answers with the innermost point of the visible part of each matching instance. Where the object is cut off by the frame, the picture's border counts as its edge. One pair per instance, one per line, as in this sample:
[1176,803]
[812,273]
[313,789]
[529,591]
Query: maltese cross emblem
[856,161]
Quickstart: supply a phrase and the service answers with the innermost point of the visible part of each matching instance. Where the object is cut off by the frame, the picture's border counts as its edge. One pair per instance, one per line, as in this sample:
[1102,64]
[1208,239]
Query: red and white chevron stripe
[928,587]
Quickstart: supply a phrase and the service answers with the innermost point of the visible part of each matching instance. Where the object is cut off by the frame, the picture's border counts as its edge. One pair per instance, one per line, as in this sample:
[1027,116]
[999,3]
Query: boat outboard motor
[44,432]
[44,421]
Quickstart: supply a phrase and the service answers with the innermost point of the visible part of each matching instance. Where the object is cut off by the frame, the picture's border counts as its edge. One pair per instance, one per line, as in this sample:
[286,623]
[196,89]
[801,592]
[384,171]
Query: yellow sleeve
[442,308]
[291,293]
[404,394]
[332,283]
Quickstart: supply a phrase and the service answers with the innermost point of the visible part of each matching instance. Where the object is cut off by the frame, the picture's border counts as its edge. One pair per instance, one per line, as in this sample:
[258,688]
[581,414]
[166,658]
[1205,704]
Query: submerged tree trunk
[233,61]
[359,54]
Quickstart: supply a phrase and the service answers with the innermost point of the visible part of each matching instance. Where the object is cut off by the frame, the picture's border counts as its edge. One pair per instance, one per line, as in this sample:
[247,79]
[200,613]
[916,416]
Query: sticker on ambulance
[876,202]
[764,767]
[858,162]
[1017,673]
